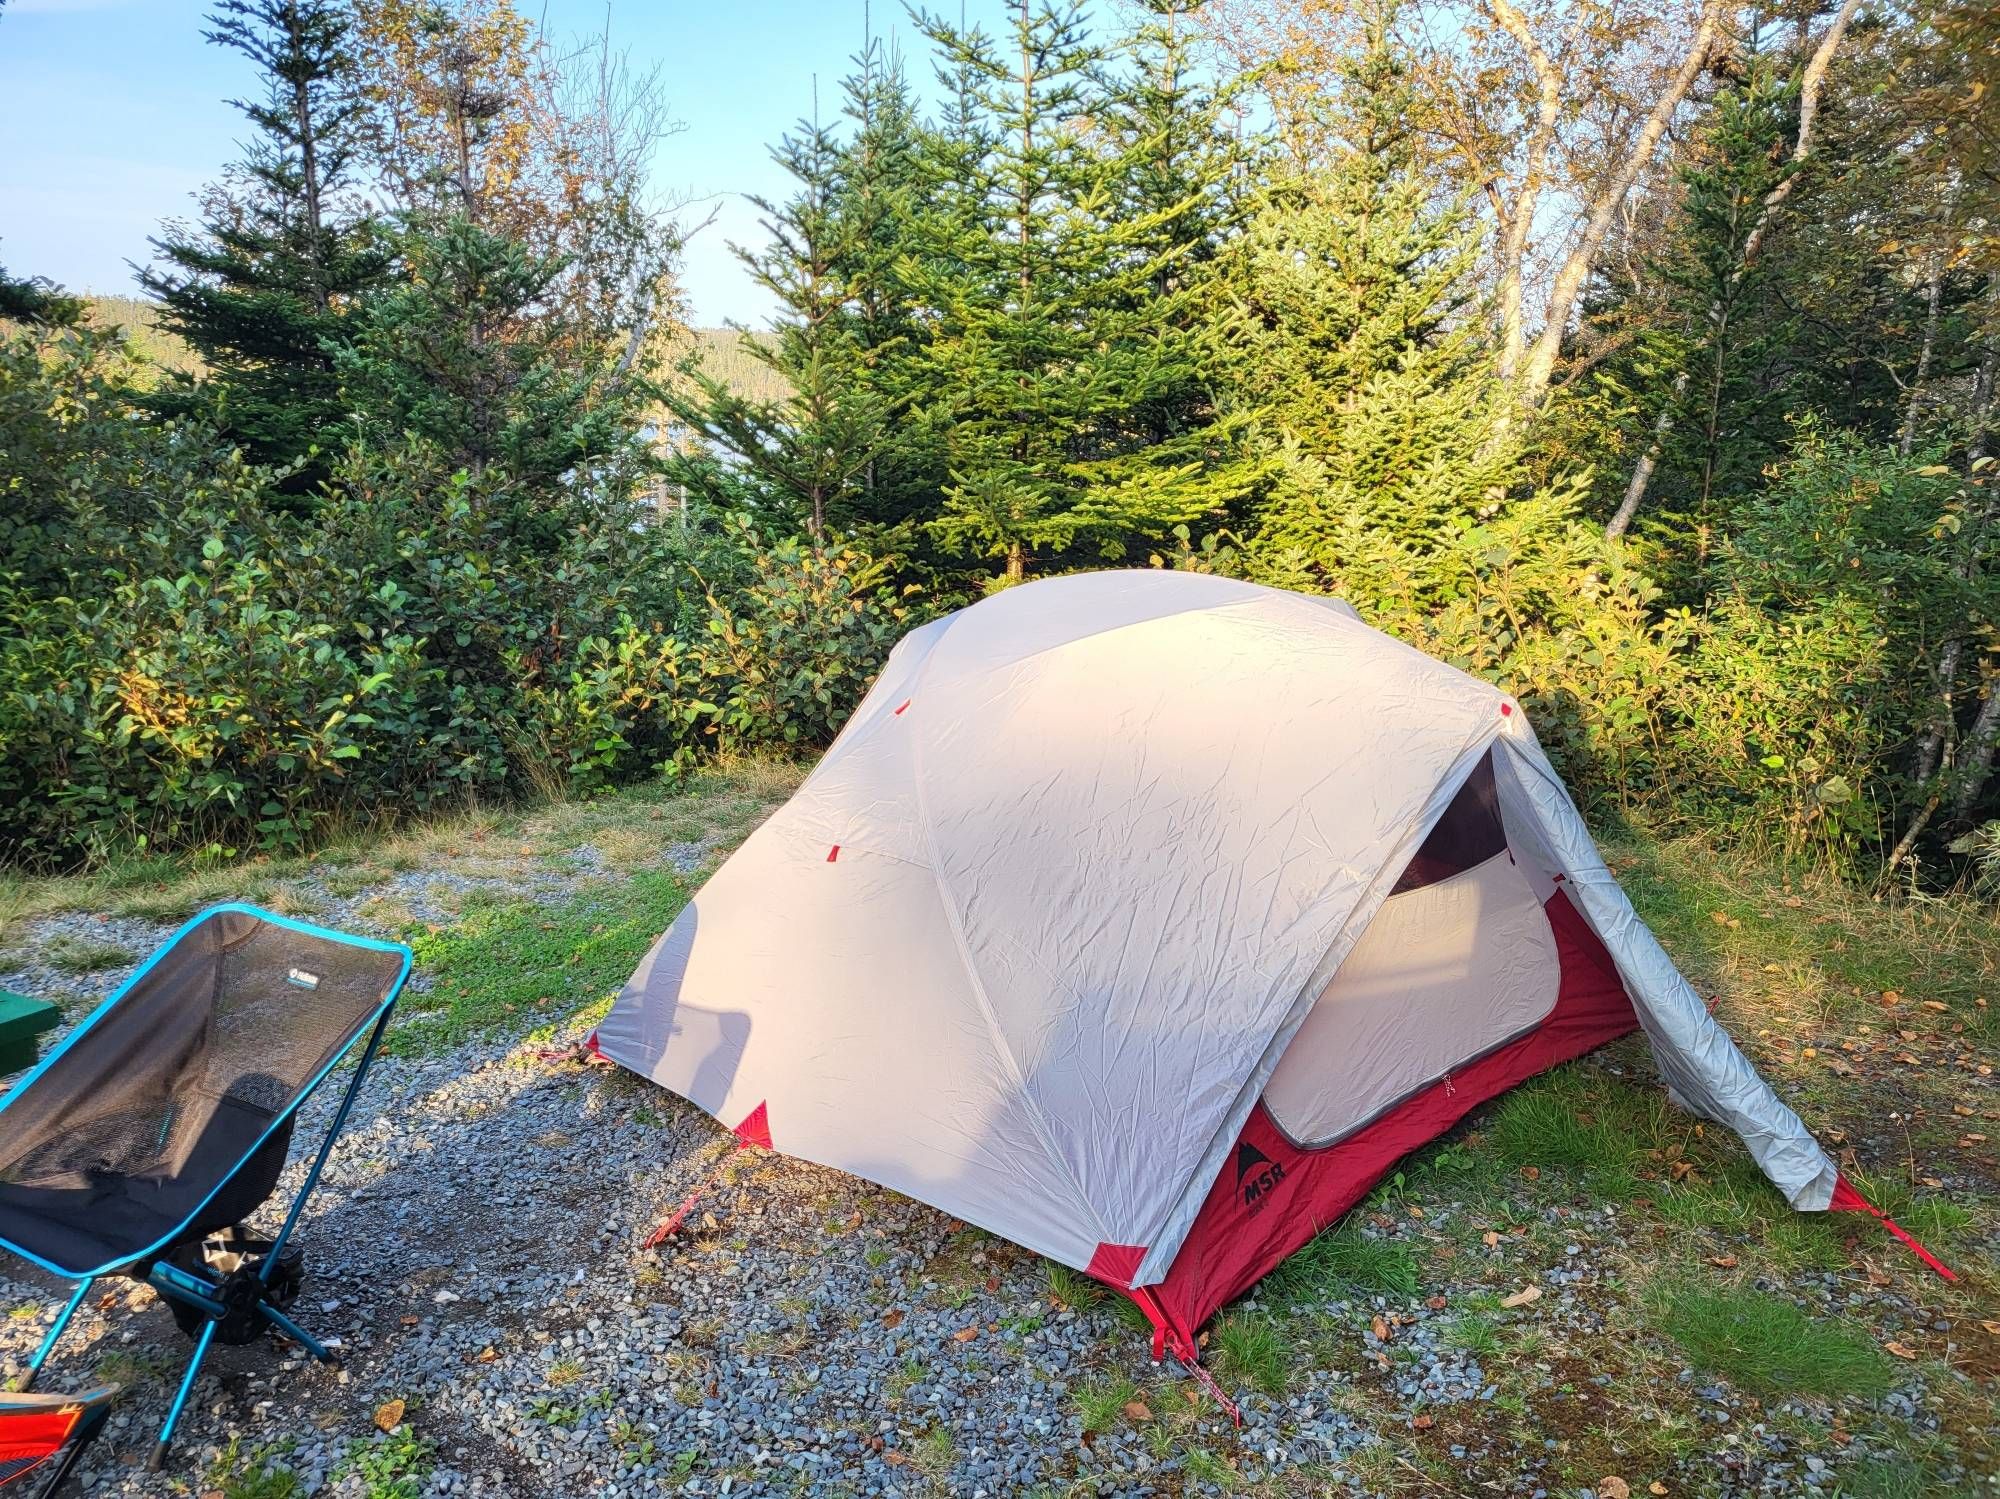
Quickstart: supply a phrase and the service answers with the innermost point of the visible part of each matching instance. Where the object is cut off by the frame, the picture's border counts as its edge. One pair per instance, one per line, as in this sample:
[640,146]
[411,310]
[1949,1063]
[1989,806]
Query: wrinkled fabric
[1031,938]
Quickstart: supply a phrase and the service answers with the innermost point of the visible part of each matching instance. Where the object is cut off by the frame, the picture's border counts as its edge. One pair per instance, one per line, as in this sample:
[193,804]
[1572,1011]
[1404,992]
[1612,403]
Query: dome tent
[1146,918]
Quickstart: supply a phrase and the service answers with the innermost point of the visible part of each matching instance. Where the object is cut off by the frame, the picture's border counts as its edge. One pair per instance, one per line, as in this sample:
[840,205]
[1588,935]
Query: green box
[22,1021]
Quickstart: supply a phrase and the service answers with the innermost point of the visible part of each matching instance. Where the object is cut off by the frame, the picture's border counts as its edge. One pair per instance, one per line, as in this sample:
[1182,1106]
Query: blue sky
[113,114]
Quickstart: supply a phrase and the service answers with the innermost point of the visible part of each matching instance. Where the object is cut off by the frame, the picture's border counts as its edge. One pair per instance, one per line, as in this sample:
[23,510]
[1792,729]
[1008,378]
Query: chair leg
[296,1333]
[159,1457]
[26,1381]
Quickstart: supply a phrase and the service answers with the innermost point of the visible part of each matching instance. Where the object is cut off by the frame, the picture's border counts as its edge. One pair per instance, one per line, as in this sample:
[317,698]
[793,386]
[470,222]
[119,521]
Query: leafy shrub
[206,667]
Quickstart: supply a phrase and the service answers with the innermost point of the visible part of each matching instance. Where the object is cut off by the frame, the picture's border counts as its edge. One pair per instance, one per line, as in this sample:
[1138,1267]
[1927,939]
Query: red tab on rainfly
[756,1130]
[833,853]
[1116,1264]
[899,711]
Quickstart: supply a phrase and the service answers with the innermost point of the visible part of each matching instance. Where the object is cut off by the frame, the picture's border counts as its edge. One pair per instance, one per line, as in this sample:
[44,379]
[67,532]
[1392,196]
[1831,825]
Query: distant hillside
[723,357]
[720,350]
[140,318]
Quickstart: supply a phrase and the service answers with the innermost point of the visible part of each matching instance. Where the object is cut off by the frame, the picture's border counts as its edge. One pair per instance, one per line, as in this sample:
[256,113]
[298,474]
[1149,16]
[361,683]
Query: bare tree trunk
[1810,84]
[1977,762]
[1931,747]
[1908,438]
[1642,471]
[1518,221]
[1540,367]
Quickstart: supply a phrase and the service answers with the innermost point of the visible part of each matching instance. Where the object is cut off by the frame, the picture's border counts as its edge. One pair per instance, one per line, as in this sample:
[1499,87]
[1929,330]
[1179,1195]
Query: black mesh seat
[166,1116]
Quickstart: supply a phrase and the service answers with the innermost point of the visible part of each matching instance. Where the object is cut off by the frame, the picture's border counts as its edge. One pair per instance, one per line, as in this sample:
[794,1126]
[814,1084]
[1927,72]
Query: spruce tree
[803,454]
[1046,344]
[460,365]
[263,289]
[878,197]
[1357,334]
[1185,191]
[1720,352]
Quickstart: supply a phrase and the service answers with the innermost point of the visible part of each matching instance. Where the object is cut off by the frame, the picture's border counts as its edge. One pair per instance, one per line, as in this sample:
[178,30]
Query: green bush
[203,667]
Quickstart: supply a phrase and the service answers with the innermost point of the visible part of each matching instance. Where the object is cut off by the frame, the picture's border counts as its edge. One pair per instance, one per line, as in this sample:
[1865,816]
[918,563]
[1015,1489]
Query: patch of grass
[565,1372]
[1475,1334]
[1071,1289]
[523,963]
[1889,1478]
[1559,1121]
[253,1475]
[1346,1261]
[79,955]
[935,1454]
[1204,1466]
[1764,1344]
[129,1368]
[1101,1403]
[1252,1349]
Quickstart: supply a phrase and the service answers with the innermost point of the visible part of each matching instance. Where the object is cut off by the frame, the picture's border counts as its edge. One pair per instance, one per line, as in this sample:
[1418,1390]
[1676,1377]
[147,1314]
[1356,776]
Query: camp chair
[142,1142]
[42,1436]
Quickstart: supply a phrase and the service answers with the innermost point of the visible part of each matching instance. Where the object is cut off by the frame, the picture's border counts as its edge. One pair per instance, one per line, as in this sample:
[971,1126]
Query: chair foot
[159,1458]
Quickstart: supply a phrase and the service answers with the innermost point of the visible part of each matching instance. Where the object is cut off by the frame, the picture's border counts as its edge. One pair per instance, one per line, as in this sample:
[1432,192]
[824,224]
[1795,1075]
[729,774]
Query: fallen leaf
[389,1415]
[1423,1423]
[1656,1487]
[1489,1238]
[1723,1261]
[892,1320]
[1901,1350]
[965,1335]
[1891,998]
[411,1321]
[708,1222]
[1611,1486]
[894,1459]
[1532,1173]
[1523,1296]
[853,1222]
[992,1284]
[1932,1004]
[488,1354]
[1680,1170]
[1437,1303]
[1138,1410]
[1380,1329]
[1415,1211]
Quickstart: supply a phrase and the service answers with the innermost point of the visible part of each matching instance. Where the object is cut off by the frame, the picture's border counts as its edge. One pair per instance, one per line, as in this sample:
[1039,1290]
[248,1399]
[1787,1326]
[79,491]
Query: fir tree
[1720,352]
[461,363]
[1184,190]
[1357,334]
[1046,345]
[804,454]
[878,198]
[263,290]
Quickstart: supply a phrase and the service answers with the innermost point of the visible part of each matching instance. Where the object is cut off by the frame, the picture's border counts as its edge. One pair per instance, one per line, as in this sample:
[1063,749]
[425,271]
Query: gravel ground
[474,1248]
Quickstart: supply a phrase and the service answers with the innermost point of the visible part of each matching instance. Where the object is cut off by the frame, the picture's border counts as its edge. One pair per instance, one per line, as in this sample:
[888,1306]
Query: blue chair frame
[193,1290]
